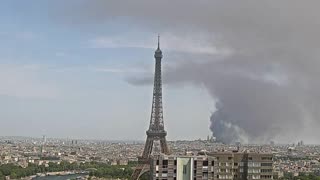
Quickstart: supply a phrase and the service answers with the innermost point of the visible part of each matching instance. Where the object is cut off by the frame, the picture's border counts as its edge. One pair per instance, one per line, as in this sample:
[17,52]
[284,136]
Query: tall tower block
[156,130]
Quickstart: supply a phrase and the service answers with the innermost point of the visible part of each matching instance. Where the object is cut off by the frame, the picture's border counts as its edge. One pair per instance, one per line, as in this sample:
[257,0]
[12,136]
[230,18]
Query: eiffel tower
[156,131]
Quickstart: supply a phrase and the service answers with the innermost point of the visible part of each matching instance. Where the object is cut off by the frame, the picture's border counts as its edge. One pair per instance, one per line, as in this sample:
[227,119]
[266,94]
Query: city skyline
[245,70]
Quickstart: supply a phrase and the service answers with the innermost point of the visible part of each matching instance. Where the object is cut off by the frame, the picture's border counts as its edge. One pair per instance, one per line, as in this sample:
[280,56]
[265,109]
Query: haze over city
[244,70]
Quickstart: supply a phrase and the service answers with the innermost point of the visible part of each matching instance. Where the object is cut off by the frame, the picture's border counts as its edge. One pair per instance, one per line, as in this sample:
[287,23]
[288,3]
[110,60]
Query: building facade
[172,167]
[215,165]
[244,165]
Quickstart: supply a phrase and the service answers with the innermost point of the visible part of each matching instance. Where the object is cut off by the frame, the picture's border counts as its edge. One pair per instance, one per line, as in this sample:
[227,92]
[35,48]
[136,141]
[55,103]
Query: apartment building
[214,166]
[243,165]
[200,167]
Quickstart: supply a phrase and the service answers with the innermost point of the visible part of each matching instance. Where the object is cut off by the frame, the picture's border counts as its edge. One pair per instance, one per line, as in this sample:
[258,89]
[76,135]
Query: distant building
[300,143]
[272,143]
[122,162]
[238,144]
[115,162]
[211,138]
[44,139]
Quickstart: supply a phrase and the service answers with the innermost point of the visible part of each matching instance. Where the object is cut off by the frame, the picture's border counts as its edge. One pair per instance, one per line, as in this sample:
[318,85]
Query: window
[250,158]
[266,170]
[229,158]
[266,158]
[212,163]
[157,162]
[265,176]
[255,176]
[235,164]
[205,163]
[165,162]
[175,171]
[256,170]
[195,163]
[256,164]
[175,162]
[205,175]
[266,164]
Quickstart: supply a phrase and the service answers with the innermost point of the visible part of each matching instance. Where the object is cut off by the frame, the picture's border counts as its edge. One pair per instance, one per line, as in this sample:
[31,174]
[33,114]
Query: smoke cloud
[267,87]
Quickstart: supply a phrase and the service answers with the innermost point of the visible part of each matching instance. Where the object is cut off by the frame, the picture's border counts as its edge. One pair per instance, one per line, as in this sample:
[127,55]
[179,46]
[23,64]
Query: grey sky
[268,84]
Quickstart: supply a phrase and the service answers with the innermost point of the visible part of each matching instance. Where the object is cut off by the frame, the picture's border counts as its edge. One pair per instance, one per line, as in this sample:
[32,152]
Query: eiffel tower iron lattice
[156,130]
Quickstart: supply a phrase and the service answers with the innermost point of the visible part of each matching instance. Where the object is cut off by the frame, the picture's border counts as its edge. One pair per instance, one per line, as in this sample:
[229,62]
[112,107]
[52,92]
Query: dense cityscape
[290,159]
[246,73]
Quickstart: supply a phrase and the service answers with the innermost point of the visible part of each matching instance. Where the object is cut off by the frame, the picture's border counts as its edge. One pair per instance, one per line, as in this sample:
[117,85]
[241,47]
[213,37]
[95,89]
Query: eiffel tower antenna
[156,130]
[158,41]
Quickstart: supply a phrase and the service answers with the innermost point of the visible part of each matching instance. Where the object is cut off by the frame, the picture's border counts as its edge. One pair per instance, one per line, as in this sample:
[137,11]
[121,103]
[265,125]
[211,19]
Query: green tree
[99,169]
[1,176]
[145,176]
[13,175]
[287,176]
